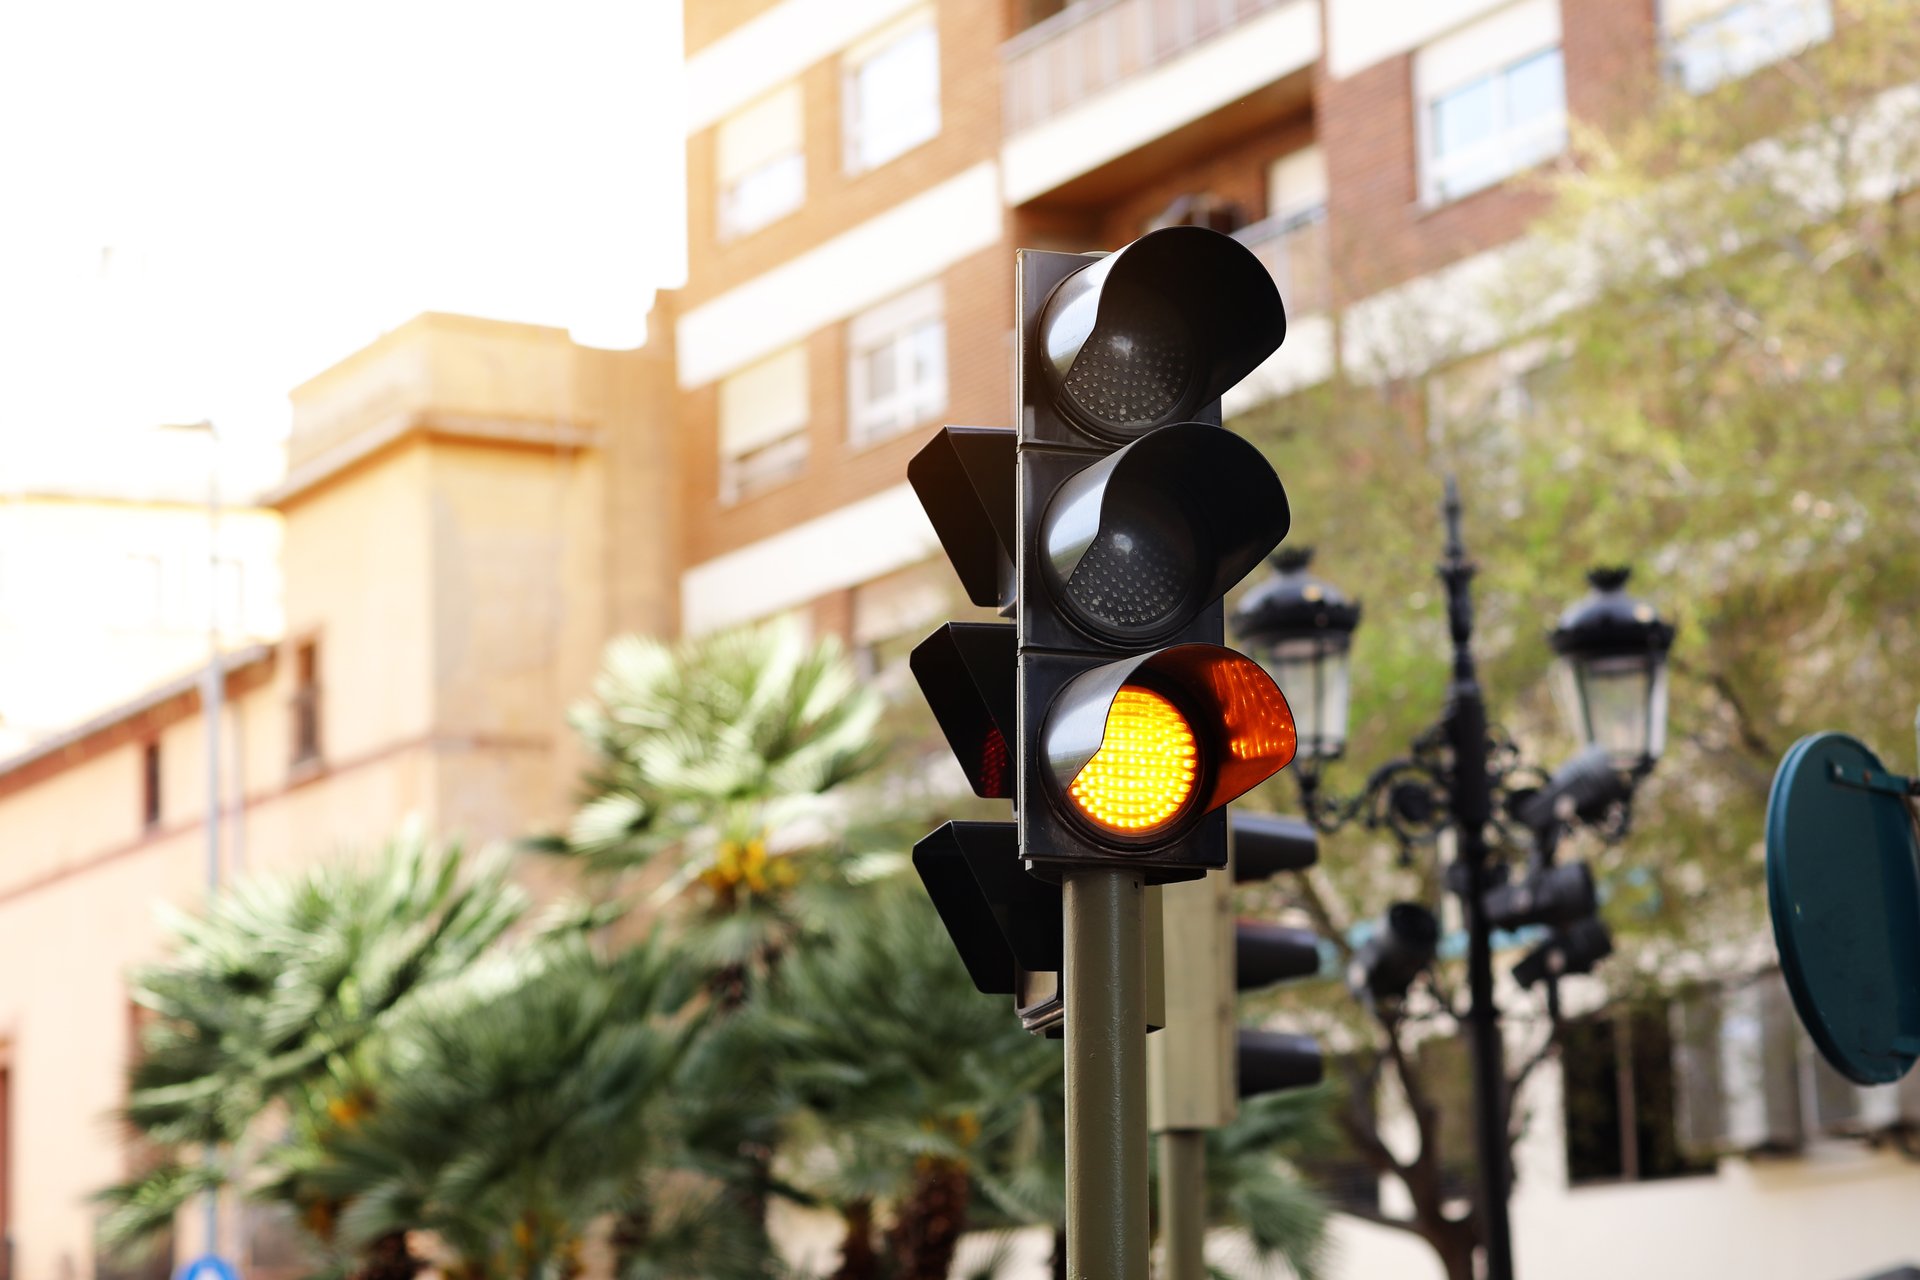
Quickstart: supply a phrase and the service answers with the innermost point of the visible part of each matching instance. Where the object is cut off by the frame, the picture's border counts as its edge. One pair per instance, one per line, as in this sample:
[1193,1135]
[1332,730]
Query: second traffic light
[1135,511]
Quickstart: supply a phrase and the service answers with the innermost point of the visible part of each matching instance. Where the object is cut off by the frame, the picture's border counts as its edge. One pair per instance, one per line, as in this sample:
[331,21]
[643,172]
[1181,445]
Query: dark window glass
[306,703]
[150,784]
[1619,1099]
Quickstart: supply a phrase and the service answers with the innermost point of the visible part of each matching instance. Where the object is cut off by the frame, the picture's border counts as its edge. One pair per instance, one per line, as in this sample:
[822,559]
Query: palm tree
[1250,1185]
[513,1112]
[904,1081]
[711,744]
[272,993]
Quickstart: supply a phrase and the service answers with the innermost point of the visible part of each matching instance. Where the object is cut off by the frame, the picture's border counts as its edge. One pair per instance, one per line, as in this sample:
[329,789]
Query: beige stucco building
[470,509]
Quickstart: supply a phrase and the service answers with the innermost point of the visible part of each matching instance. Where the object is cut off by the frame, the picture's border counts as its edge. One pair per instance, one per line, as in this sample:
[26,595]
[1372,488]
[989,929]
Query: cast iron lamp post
[1466,776]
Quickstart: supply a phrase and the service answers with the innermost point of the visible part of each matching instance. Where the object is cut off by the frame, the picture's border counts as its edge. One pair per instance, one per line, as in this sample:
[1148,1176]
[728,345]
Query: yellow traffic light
[1142,777]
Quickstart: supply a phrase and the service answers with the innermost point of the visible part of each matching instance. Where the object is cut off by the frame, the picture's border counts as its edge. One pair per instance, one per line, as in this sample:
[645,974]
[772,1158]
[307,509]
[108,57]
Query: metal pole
[1104,989]
[212,703]
[1471,795]
[1183,1202]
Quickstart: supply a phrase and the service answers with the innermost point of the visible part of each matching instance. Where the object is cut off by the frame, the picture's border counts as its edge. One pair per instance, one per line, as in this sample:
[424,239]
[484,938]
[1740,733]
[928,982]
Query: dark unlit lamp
[1611,677]
[1301,627]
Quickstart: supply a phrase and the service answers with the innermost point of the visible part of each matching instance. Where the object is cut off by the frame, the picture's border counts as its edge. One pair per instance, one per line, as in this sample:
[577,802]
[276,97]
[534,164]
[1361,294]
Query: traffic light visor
[1140,542]
[1146,335]
[1140,747]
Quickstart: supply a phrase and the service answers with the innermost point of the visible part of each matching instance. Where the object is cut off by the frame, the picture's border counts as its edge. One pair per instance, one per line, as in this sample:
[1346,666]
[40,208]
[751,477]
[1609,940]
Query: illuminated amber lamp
[1140,749]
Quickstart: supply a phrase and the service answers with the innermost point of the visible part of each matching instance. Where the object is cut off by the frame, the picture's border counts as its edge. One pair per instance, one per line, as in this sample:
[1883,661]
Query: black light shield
[1000,918]
[1135,546]
[1265,953]
[1150,334]
[1271,1061]
[966,672]
[941,860]
[964,479]
[1265,844]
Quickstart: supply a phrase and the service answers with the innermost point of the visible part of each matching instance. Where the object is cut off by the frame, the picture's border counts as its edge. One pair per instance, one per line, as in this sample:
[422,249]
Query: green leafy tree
[1704,371]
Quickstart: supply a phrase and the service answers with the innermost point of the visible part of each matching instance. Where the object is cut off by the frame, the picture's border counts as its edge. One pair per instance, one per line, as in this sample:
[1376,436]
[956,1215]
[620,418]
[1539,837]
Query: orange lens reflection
[1253,711]
[1142,777]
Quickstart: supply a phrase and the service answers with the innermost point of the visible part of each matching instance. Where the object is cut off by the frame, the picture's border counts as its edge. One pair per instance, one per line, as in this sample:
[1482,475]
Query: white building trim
[1154,103]
[843,548]
[1361,33]
[775,47]
[887,254]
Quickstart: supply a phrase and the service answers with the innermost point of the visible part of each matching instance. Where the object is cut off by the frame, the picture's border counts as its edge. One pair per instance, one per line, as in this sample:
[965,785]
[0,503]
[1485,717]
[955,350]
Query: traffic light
[1205,1061]
[1402,946]
[1574,948]
[1586,789]
[1135,512]
[1553,895]
[1264,845]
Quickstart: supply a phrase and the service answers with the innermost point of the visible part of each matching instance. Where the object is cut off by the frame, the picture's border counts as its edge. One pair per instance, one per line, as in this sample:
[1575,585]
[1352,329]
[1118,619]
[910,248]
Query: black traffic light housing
[1402,946]
[1571,949]
[1264,953]
[1136,511]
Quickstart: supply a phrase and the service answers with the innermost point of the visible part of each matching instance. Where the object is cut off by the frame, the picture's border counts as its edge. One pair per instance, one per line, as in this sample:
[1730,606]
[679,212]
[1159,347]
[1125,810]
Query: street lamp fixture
[1611,676]
[1301,627]
[1464,775]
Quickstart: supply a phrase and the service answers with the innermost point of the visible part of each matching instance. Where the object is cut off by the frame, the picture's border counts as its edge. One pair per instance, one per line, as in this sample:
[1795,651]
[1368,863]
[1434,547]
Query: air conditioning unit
[1737,1069]
[1841,1108]
[1748,1080]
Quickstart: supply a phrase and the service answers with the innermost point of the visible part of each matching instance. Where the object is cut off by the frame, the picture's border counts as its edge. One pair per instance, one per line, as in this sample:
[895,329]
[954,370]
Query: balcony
[1107,87]
[1094,45]
[1294,251]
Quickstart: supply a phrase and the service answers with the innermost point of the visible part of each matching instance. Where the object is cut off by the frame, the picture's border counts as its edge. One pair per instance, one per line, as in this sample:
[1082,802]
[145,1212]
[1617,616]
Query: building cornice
[139,719]
[364,446]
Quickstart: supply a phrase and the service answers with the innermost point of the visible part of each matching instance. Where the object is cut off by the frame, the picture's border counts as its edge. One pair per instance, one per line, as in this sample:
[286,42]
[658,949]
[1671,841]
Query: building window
[892,92]
[1710,42]
[897,375]
[761,163]
[1619,1099]
[1492,100]
[306,703]
[763,424]
[150,784]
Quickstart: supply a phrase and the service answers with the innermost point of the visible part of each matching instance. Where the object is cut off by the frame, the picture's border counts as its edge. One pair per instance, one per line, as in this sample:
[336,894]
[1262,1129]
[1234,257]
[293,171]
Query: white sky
[203,202]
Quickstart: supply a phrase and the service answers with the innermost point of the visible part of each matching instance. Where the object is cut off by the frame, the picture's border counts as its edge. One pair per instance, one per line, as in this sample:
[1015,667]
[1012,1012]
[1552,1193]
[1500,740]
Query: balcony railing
[1095,44]
[1294,249]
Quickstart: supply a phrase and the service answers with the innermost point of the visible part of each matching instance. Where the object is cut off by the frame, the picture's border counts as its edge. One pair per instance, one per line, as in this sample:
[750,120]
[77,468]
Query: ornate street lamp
[1300,627]
[1465,775]
[1611,676]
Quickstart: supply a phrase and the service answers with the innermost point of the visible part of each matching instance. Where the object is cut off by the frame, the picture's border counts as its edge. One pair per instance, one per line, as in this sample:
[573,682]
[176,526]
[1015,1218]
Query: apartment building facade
[846,298]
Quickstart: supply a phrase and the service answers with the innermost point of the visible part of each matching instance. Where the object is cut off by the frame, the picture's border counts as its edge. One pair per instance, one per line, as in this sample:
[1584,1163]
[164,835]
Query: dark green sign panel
[1843,880]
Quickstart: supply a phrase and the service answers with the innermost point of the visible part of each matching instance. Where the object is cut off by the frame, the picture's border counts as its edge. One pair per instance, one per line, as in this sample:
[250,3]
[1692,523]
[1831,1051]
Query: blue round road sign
[208,1266]
[1843,882]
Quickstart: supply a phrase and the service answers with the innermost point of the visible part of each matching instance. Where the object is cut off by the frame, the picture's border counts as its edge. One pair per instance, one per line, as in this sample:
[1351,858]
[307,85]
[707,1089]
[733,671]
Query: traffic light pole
[1104,985]
[1471,794]
[1183,1202]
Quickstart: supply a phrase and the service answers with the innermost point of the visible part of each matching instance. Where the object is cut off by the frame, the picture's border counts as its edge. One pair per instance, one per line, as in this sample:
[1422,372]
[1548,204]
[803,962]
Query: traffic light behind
[1266,953]
[1136,511]
[1204,1062]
